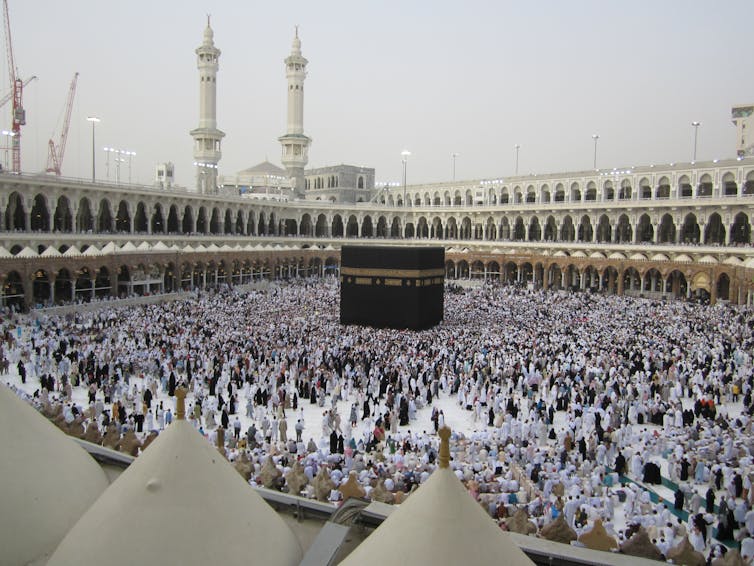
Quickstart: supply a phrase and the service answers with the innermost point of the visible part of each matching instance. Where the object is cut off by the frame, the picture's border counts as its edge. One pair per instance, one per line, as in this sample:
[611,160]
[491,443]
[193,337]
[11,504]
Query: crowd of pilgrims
[552,394]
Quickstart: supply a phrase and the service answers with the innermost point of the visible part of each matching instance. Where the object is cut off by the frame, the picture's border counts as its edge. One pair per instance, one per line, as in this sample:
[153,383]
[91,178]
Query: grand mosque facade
[677,231]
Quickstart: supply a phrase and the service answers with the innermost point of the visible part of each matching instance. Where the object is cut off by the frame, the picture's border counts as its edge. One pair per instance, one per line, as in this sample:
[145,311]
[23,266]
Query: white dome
[48,482]
[180,499]
[439,524]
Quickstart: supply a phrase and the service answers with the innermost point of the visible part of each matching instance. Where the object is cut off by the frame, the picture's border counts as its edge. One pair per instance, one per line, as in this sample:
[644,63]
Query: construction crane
[55,153]
[17,90]
[4,100]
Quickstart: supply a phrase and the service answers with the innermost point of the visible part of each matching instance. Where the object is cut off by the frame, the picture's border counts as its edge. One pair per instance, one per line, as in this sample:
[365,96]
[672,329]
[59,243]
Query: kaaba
[392,287]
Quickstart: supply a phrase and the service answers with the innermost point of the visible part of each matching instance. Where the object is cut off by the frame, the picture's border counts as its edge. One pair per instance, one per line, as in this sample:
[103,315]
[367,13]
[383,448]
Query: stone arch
[544,192]
[13,295]
[122,216]
[41,288]
[240,224]
[367,229]
[102,283]
[40,215]
[604,230]
[575,192]
[187,224]
[422,228]
[62,220]
[305,226]
[551,229]
[645,189]
[740,231]
[705,186]
[15,215]
[685,190]
[490,229]
[623,230]
[676,284]
[84,216]
[567,230]
[158,220]
[586,232]
[666,230]
[505,229]
[382,227]
[437,229]
[624,193]
[173,224]
[591,191]
[352,227]
[663,188]
[215,222]
[519,231]
[690,233]
[652,281]
[228,222]
[608,192]
[729,185]
[395,228]
[452,228]
[748,188]
[465,233]
[610,280]
[140,219]
[644,230]
[337,226]
[723,287]
[535,230]
[714,232]
[531,195]
[559,193]
[321,228]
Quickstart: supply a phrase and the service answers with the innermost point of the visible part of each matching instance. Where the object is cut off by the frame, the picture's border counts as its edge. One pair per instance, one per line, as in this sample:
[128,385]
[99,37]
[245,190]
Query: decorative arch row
[614,188]
[621,278]
[595,227]
[60,283]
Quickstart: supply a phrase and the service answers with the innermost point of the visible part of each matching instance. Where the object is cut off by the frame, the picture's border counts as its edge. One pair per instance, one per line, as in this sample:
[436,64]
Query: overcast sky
[434,77]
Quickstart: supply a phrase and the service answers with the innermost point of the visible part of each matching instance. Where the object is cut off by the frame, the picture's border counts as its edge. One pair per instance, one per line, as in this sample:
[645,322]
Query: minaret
[295,143]
[207,137]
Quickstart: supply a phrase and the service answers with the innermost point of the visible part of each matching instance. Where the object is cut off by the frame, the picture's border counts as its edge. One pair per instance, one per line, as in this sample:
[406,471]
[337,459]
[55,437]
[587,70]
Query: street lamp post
[453,156]
[696,134]
[404,154]
[120,157]
[516,147]
[93,120]
[130,155]
[595,137]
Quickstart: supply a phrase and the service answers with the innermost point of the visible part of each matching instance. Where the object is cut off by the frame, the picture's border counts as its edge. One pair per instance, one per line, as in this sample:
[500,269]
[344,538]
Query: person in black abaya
[333,442]
[679,498]
[685,465]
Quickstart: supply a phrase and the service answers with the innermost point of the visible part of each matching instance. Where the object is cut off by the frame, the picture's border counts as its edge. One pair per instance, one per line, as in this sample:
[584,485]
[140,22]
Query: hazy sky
[434,77]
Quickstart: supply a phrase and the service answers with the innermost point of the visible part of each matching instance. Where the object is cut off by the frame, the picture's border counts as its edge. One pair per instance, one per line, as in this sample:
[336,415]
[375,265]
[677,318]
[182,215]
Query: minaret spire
[295,144]
[207,137]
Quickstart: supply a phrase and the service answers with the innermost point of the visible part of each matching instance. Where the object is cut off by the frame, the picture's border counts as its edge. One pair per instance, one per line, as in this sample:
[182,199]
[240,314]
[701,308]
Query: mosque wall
[675,232]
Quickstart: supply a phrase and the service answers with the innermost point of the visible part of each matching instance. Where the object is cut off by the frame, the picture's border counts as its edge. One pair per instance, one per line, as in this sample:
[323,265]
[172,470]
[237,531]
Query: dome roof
[50,482]
[439,524]
[181,499]
[264,168]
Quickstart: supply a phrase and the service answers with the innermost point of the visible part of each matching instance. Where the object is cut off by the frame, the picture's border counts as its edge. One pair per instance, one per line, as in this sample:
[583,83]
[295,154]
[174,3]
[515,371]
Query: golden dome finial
[180,404]
[444,457]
